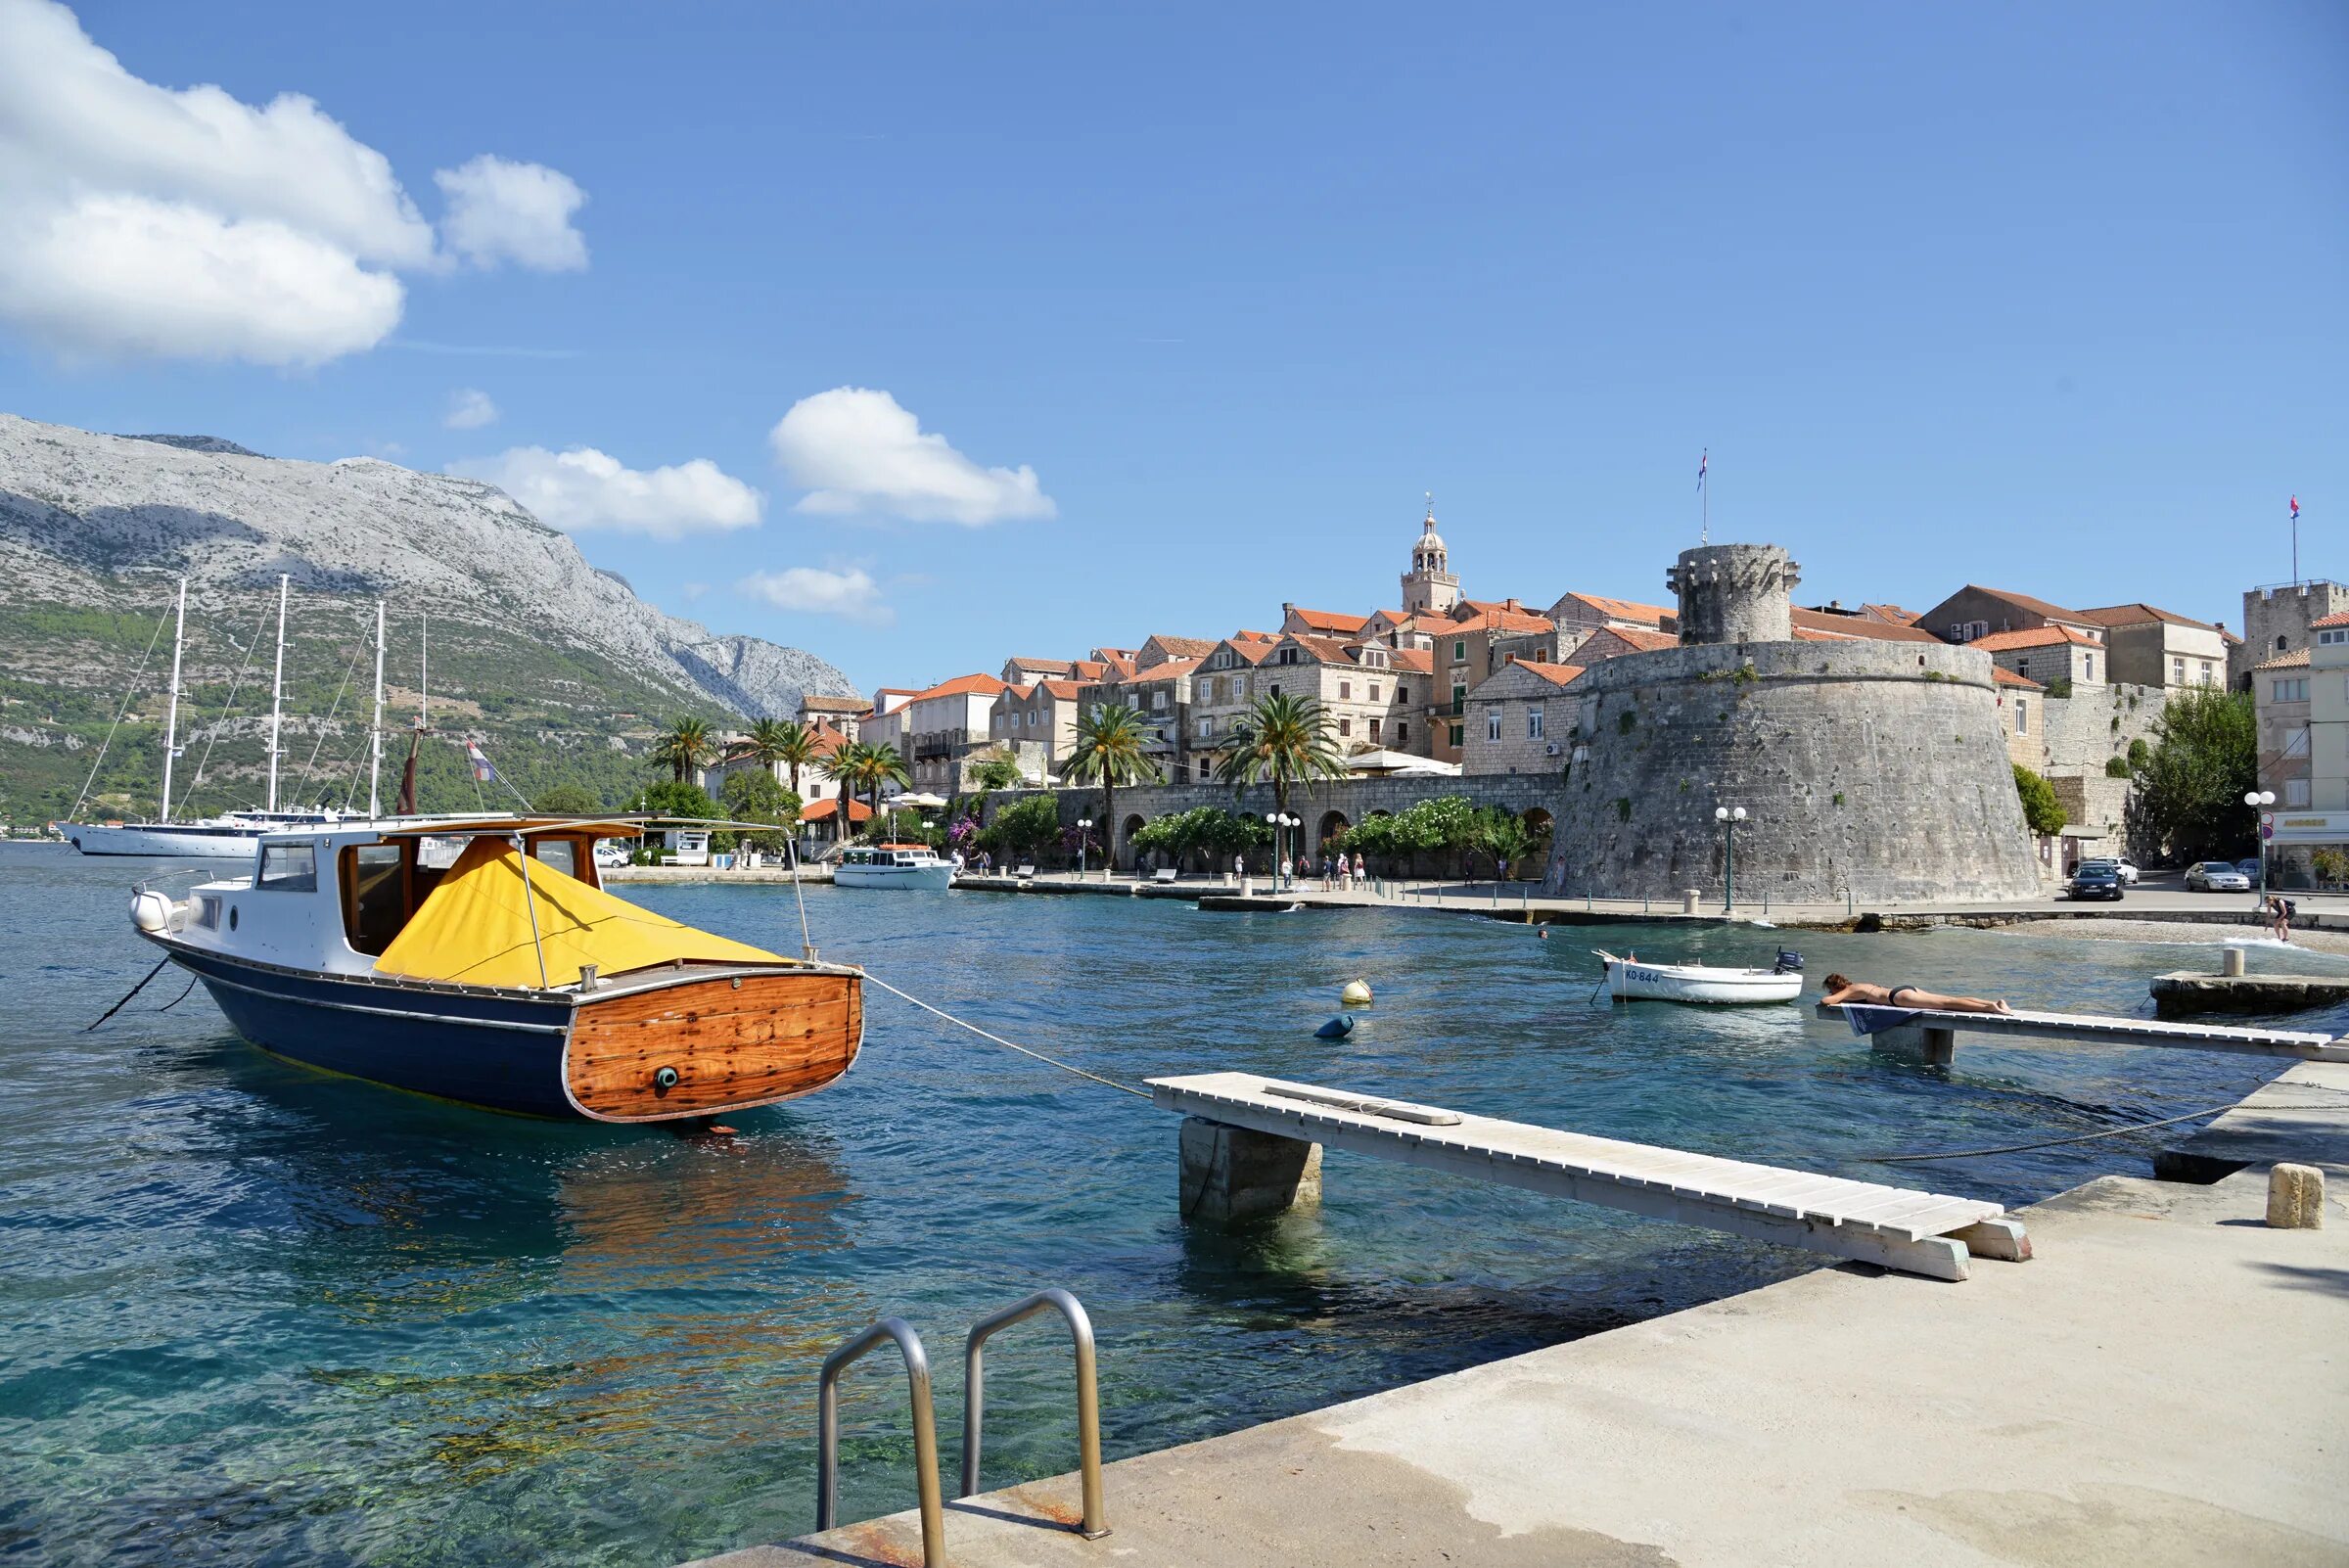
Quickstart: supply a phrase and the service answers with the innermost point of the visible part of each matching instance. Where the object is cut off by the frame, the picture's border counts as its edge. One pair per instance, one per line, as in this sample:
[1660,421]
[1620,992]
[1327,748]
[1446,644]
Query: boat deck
[1917,1233]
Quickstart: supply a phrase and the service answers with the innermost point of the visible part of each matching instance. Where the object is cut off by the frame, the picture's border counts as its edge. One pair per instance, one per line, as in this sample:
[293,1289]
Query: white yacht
[892,865]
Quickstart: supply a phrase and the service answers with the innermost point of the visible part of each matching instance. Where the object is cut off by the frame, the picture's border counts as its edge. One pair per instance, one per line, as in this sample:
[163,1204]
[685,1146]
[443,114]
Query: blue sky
[2049,298]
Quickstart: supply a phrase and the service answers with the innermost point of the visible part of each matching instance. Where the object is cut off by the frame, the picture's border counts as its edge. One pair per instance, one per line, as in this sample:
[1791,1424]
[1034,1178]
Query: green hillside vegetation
[545,714]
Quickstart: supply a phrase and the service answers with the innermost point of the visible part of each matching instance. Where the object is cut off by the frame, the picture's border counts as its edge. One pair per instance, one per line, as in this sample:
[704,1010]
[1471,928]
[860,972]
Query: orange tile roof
[1498,618]
[835,705]
[1839,626]
[2034,637]
[1623,609]
[1065,690]
[1088,669]
[2000,674]
[2024,601]
[1330,620]
[1892,613]
[1047,666]
[1640,638]
[1245,635]
[1184,647]
[1421,660]
[1556,674]
[1017,694]
[2137,615]
[1325,649]
[1170,669]
[2297,658]
[975,685]
[824,811]
[2327,623]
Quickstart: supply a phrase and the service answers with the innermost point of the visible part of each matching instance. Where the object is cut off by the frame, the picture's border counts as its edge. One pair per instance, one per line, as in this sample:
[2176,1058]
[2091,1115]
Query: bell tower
[1429,587]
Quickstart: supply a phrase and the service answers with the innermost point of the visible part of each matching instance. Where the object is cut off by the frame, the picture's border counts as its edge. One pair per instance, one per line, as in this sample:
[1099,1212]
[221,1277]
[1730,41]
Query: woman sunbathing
[1841,989]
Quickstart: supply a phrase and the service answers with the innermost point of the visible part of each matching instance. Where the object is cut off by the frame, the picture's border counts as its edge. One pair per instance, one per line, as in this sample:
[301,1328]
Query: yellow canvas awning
[475,928]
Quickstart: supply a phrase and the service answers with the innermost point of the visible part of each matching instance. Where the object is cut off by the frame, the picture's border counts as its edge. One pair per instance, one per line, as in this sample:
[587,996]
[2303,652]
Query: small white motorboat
[903,866]
[1630,980]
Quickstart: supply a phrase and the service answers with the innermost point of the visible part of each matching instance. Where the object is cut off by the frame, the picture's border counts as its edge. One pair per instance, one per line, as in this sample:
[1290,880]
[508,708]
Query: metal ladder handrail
[925,1432]
[1088,1398]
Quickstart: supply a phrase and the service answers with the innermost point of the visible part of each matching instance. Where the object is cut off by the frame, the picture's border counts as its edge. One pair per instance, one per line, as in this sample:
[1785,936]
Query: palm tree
[796,747]
[758,744]
[1284,739]
[687,746]
[844,767]
[1109,747]
[882,765]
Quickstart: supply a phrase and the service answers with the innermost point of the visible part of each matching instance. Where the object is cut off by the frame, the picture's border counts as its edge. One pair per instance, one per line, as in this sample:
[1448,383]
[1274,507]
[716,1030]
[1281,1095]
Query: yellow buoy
[1355,995]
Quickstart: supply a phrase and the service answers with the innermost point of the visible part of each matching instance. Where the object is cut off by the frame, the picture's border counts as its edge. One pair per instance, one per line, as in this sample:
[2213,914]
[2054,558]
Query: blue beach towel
[1866,1019]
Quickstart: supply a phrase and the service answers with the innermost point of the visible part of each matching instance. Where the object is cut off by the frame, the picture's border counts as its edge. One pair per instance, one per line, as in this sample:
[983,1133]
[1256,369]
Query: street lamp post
[2259,801]
[1731,819]
[1281,823]
[1085,827]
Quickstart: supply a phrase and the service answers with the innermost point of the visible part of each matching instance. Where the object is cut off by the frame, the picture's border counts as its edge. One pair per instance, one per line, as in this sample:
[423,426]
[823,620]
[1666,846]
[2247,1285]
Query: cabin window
[375,896]
[561,854]
[207,914]
[288,868]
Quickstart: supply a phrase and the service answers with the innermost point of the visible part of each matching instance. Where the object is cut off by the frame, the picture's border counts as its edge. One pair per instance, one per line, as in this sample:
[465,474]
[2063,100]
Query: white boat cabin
[332,900]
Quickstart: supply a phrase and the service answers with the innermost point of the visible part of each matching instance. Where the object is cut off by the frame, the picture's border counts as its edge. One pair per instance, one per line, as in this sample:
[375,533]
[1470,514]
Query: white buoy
[1355,995]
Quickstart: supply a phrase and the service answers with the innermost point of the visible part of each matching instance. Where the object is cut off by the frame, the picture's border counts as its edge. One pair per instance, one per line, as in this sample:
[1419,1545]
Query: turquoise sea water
[253,1313]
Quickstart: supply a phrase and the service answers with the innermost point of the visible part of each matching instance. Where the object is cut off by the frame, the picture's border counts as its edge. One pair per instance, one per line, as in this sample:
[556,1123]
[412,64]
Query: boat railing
[1088,1398]
[925,1432]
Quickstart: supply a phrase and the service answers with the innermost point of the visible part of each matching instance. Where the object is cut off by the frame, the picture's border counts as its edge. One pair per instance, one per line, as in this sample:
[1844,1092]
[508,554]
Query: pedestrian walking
[1361,872]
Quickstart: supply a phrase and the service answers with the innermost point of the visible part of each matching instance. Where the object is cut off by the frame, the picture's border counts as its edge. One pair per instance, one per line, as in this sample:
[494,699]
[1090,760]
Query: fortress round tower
[1876,767]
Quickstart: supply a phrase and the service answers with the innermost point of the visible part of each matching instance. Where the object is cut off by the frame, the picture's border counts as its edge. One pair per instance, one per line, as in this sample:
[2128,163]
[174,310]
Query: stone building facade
[1522,720]
[2276,620]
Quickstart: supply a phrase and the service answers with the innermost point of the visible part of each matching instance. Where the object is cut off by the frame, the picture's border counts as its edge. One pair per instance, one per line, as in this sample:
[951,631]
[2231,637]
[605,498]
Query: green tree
[875,767]
[566,800]
[1001,771]
[773,743]
[2041,811]
[1504,836]
[1108,751]
[1023,827]
[671,797]
[2190,792]
[1282,739]
[754,796]
[688,745]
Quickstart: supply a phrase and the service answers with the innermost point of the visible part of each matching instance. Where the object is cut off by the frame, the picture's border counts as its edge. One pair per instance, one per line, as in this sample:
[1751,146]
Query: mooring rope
[133,992]
[964,1023]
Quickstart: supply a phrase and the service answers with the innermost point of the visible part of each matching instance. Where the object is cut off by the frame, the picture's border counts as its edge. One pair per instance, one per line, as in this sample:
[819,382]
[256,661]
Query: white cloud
[500,210]
[141,220]
[584,490]
[851,594]
[470,408]
[857,452]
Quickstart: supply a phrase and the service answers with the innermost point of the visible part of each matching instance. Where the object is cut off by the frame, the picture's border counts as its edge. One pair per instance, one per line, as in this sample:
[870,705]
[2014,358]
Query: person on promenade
[1361,872]
[1329,872]
[1841,989]
[2279,917]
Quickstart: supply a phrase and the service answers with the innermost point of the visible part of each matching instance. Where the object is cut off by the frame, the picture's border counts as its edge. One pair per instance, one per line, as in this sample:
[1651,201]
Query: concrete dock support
[1930,1042]
[2296,1198]
[2230,963]
[1230,1173]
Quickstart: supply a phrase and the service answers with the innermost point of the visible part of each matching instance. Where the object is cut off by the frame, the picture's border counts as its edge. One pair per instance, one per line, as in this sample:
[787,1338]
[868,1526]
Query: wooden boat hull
[730,1037]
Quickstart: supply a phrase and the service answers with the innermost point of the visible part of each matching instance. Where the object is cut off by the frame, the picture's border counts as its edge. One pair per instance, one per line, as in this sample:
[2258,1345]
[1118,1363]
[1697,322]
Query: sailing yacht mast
[374,761]
[179,637]
[277,690]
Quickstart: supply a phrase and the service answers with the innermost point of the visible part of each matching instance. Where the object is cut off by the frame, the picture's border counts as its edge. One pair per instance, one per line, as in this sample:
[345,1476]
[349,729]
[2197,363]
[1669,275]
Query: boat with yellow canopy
[483,962]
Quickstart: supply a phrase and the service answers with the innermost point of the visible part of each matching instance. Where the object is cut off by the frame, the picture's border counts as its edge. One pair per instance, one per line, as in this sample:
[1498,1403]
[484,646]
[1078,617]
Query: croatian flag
[482,772]
[2295,508]
[1702,459]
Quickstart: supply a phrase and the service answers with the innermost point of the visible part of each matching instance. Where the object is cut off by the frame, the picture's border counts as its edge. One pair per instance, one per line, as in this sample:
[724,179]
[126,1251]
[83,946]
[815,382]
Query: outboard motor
[1789,963]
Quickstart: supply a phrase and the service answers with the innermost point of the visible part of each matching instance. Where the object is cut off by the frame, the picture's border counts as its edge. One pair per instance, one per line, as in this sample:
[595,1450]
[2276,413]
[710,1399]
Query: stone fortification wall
[2077,736]
[1880,766]
[1735,593]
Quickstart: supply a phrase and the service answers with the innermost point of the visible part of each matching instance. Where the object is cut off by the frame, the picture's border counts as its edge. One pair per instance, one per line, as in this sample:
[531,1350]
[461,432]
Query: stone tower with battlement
[1873,769]
[1735,593]
[1429,586]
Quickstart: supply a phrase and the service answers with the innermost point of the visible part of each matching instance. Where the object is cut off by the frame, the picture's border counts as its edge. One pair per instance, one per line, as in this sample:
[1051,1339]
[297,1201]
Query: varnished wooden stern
[711,1042]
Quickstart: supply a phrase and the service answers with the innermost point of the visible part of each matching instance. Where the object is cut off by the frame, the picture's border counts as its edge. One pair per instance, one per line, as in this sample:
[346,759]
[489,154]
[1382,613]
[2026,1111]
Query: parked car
[2215,876]
[2095,879]
[2124,869]
[2250,868]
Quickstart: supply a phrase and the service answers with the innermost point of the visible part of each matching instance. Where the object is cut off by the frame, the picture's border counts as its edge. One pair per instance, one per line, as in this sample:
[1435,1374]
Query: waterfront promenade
[2166,1383]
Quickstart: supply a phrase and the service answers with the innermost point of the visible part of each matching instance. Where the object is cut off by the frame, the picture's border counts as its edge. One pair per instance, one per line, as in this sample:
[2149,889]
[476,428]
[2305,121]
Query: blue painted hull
[500,1052]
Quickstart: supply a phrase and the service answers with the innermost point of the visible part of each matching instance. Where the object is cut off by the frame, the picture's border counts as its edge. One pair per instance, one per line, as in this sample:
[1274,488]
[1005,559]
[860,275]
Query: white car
[2122,869]
[2215,876]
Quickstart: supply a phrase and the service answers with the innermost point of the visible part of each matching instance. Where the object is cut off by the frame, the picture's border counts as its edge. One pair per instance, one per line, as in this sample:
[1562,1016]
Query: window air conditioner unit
[1551,749]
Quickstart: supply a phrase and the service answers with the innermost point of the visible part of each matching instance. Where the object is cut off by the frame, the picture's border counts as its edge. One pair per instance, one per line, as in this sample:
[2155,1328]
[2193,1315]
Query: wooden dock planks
[1897,1227]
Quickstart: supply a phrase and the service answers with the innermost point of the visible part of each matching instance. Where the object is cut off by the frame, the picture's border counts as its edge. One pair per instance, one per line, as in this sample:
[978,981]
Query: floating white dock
[1897,1227]
[1936,1032]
